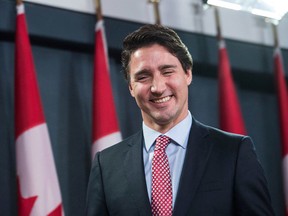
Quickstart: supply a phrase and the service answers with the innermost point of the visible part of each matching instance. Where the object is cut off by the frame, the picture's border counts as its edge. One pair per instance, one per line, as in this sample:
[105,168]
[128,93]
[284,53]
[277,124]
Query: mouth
[162,100]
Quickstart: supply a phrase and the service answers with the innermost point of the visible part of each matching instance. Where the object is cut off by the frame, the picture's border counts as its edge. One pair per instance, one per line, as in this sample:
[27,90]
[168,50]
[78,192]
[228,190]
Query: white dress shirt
[175,151]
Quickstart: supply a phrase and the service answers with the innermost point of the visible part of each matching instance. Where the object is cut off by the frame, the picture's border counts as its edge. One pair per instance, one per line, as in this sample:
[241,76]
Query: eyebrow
[162,67]
[147,71]
[144,71]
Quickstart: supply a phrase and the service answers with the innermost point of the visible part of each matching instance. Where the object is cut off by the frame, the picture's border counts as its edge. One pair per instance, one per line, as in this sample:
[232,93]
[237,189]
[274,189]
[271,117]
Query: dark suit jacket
[221,176]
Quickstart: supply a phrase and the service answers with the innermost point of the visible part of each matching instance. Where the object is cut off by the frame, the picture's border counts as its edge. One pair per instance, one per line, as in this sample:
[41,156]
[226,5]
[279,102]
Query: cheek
[179,87]
[137,91]
[177,83]
[141,93]
[186,80]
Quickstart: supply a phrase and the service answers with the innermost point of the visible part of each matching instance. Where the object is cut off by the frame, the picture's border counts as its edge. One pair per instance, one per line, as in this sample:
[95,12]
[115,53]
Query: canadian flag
[283,116]
[231,119]
[38,187]
[105,125]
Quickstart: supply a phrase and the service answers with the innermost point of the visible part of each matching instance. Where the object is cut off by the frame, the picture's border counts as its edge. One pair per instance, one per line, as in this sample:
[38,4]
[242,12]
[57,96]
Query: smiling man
[175,165]
[160,86]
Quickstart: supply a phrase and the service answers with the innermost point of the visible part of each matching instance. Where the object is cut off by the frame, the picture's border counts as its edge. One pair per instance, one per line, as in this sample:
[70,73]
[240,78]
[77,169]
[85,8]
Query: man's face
[160,87]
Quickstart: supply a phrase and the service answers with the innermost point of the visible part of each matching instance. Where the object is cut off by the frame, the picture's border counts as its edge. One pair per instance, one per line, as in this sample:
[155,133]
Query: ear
[189,76]
[131,90]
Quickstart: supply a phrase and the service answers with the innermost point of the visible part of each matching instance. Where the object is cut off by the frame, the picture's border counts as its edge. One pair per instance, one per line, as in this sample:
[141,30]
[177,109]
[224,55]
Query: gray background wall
[63,43]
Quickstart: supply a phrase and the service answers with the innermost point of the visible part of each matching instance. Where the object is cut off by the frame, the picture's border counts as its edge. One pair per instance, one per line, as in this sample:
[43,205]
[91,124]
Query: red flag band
[283,116]
[38,187]
[231,119]
[105,125]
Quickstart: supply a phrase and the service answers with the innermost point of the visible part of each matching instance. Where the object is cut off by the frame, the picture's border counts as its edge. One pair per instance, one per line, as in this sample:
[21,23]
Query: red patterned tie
[161,198]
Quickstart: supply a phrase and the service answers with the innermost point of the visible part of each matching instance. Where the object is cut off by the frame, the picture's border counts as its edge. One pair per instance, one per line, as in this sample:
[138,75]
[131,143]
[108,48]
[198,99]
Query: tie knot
[162,142]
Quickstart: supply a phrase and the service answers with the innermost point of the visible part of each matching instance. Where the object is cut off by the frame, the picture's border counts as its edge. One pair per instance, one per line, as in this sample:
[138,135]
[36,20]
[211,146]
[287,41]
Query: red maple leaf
[25,205]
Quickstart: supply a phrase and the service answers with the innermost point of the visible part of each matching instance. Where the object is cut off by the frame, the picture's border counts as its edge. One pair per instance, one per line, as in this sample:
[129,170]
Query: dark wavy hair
[154,34]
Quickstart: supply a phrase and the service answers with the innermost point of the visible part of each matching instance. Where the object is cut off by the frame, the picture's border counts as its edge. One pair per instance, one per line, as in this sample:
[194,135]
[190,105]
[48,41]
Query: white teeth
[162,100]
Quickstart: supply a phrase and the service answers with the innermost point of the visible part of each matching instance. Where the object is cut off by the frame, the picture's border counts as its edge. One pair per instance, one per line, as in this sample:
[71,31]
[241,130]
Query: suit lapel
[134,169]
[198,151]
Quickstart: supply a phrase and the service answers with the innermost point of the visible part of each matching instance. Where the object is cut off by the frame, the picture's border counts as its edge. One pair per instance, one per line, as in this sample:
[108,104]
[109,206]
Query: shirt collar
[178,133]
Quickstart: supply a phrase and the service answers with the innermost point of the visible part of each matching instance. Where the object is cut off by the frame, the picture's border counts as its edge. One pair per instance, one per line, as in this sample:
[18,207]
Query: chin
[163,120]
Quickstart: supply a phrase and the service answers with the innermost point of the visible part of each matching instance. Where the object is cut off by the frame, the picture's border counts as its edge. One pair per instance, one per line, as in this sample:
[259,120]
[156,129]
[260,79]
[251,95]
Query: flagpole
[218,25]
[98,10]
[156,10]
[275,34]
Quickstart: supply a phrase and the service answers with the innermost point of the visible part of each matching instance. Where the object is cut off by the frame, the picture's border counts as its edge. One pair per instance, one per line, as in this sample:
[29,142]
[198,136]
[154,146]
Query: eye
[142,77]
[168,69]
[168,72]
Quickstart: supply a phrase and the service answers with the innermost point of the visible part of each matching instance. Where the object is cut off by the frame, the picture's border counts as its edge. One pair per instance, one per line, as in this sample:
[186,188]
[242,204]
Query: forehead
[151,56]
[149,48]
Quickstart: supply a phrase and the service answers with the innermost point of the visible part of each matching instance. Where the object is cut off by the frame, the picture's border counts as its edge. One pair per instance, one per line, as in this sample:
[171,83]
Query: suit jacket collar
[197,154]
[134,168]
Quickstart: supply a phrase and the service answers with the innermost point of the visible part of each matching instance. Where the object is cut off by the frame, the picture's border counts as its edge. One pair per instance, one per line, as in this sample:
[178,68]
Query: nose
[158,85]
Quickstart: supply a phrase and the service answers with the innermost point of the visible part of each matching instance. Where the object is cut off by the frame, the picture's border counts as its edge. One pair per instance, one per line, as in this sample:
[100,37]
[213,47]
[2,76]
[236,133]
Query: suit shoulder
[224,134]
[220,135]
[124,144]
[113,156]
[226,143]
